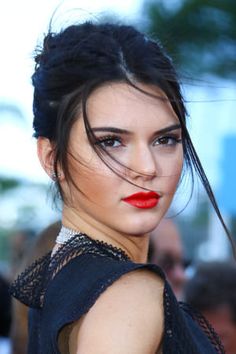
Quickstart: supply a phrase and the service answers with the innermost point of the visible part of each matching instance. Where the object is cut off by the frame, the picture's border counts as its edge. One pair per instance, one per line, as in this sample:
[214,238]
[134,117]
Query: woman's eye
[167,140]
[109,142]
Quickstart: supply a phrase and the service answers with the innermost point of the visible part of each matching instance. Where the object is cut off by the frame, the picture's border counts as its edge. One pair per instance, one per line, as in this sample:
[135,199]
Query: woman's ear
[46,155]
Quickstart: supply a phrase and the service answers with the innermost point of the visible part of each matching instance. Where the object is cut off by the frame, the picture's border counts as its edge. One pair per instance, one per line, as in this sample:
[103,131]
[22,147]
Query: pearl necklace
[66,234]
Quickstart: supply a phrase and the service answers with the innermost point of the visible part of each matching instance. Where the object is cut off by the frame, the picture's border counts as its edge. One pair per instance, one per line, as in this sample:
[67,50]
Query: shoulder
[127,317]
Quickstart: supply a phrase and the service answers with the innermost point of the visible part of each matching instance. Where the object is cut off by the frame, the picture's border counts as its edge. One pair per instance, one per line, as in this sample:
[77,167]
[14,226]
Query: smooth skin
[144,135]
[127,318]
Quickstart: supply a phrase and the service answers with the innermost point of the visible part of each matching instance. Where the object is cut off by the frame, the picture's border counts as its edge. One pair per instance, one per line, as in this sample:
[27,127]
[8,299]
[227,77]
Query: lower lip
[143,203]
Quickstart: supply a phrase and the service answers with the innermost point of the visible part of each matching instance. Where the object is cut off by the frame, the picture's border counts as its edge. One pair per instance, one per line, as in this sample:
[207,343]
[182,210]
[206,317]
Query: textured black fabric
[61,288]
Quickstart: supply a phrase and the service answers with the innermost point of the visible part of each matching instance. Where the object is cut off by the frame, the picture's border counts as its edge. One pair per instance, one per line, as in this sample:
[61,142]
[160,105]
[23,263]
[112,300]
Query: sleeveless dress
[60,288]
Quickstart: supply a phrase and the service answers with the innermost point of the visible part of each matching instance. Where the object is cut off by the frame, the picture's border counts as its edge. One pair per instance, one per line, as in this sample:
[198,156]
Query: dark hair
[213,285]
[80,58]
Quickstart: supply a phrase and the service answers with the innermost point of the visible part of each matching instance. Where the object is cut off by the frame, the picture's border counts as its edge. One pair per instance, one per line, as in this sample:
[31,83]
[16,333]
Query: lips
[143,200]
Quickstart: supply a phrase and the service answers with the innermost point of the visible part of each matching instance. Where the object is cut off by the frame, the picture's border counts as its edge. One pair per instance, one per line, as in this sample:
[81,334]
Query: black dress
[59,289]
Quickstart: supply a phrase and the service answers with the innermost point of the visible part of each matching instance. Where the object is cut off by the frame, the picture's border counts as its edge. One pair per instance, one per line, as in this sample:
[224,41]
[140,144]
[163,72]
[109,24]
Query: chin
[142,227]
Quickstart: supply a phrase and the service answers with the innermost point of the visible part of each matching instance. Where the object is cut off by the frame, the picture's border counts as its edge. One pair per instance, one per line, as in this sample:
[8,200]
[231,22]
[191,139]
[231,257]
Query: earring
[54,176]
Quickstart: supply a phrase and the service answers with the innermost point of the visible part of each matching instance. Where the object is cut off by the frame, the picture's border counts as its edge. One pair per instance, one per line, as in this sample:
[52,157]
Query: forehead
[120,103]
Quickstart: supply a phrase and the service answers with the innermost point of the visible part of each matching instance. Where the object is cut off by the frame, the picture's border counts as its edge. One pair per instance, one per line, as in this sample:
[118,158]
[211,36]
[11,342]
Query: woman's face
[143,134]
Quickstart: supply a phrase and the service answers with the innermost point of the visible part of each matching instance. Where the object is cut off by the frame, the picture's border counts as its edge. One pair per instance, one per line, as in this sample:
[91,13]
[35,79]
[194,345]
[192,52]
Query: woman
[110,122]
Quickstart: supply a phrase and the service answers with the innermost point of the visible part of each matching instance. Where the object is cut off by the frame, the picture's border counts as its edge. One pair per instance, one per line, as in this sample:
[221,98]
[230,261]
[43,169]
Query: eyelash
[105,140]
[174,140]
[109,138]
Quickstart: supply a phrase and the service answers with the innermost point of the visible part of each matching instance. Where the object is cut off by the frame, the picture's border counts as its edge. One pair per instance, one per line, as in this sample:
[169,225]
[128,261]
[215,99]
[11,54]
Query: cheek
[171,169]
[94,184]
[93,180]
[177,171]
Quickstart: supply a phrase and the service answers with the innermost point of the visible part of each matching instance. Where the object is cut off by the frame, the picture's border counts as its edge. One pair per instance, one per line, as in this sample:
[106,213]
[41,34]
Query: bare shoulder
[126,318]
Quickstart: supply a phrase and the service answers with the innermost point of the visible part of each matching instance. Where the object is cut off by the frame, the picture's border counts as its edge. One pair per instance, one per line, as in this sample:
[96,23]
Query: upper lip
[143,196]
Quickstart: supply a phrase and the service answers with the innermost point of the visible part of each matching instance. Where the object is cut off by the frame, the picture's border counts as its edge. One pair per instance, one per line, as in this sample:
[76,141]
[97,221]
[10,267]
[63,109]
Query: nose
[143,163]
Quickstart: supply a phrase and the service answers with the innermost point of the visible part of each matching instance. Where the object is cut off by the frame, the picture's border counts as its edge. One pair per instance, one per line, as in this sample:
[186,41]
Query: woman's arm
[126,319]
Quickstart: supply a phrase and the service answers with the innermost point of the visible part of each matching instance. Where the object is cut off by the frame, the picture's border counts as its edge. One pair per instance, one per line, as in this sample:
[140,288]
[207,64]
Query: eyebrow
[127,132]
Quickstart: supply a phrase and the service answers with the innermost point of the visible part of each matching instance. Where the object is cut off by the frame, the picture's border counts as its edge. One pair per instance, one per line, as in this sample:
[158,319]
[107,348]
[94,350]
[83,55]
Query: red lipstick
[143,200]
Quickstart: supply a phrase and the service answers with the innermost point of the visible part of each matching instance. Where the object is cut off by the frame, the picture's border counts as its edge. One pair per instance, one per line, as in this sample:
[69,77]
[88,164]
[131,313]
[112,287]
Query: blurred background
[200,36]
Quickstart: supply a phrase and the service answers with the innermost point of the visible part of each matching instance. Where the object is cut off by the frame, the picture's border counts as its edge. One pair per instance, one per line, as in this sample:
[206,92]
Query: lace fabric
[30,286]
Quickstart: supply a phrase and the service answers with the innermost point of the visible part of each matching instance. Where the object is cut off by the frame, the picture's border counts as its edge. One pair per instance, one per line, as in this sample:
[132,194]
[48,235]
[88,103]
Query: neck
[136,247]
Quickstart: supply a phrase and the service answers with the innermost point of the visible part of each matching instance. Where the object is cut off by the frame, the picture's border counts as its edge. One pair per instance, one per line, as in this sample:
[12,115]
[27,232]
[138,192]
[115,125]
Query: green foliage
[7,183]
[200,35]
